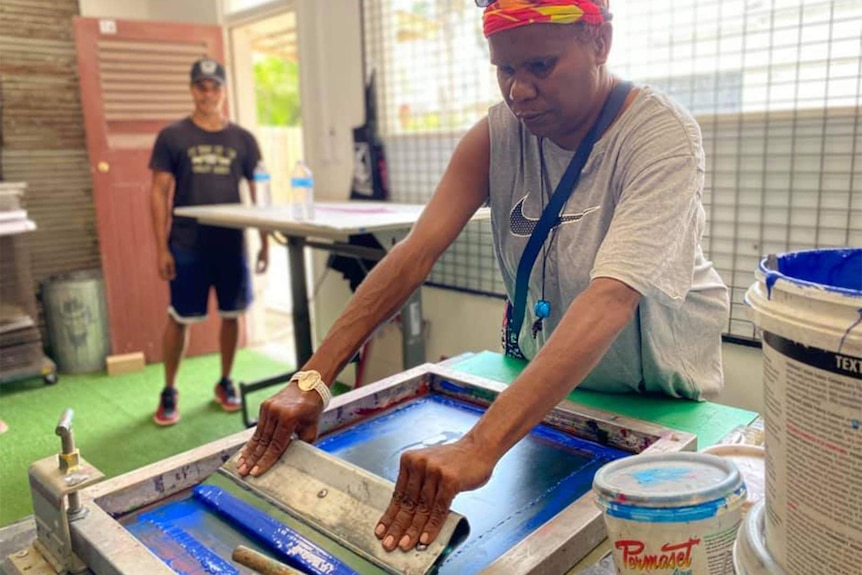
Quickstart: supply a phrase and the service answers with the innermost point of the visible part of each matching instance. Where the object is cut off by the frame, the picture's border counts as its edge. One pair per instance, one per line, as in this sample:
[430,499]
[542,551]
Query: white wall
[330,83]
[189,11]
[128,9]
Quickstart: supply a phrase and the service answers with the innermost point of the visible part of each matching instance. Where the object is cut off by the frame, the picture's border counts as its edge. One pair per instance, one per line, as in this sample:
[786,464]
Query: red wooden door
[134,79]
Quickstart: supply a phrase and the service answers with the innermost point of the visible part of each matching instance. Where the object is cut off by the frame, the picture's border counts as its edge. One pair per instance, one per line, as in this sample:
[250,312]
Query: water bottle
[262,185]
[302,191]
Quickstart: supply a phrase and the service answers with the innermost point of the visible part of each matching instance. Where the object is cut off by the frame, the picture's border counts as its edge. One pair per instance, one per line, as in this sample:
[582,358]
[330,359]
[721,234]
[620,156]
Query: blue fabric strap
[551,215]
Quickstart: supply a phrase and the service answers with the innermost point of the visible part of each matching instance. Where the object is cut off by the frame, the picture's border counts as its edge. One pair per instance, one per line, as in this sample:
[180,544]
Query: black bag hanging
[369,160]
[369,183]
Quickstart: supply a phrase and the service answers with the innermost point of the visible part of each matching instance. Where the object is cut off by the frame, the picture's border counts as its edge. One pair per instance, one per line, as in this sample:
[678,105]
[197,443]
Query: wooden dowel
[261,563]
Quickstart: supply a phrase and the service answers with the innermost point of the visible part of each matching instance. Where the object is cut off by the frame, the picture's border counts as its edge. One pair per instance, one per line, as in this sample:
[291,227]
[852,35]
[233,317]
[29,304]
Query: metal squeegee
[344,502]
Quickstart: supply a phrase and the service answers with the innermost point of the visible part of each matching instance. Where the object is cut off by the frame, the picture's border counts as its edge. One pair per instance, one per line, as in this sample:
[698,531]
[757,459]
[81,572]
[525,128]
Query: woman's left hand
[428,481]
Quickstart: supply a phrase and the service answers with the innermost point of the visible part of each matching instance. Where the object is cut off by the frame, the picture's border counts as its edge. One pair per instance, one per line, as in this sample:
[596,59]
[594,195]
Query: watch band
[323,390]
[311,380]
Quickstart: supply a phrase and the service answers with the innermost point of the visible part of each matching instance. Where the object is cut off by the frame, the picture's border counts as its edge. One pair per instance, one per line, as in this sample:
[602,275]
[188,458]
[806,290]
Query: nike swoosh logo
[522,226]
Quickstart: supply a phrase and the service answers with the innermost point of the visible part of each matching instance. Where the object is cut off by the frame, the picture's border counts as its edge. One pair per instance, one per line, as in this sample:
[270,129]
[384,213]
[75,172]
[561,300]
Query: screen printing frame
[105,545]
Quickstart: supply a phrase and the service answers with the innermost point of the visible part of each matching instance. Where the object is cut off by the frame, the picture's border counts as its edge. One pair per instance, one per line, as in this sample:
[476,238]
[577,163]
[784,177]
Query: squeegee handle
[260,563]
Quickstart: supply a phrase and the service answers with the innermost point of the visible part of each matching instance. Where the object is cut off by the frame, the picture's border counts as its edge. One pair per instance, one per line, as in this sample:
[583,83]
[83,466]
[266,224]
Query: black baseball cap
[207,69]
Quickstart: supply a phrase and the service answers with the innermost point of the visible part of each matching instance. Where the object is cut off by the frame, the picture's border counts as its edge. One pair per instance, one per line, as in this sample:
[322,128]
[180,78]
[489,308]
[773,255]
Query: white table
[332,220]
[330,229]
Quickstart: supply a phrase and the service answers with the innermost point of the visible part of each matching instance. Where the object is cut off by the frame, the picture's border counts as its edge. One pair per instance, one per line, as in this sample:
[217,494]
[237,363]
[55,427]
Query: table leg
[301,314]
[301,325]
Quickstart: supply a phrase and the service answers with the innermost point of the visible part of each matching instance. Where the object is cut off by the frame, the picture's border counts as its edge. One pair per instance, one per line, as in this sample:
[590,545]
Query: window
[774,84]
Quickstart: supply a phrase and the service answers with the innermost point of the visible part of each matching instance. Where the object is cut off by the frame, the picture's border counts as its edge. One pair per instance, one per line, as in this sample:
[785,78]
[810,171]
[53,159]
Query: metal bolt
[322,493]
[76,510]
[421,547]
[64,430]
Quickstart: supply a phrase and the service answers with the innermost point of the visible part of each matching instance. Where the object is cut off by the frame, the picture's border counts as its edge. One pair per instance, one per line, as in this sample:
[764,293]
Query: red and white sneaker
[168,412]
[226,395]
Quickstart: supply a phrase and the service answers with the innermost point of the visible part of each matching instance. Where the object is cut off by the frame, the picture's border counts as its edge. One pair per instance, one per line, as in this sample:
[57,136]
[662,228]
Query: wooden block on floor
[125,363]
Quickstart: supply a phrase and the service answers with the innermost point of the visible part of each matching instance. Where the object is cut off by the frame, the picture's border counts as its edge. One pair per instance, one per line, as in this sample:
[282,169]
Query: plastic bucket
[750,555]
[671,513]
[77,321]
[750,460]
[808,306]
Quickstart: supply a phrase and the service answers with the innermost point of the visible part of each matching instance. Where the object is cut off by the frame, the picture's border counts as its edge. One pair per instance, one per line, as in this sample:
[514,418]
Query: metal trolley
[21,349]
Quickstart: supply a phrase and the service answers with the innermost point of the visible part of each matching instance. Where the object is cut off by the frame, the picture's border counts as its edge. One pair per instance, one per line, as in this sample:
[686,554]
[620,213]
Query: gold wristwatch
[311,380]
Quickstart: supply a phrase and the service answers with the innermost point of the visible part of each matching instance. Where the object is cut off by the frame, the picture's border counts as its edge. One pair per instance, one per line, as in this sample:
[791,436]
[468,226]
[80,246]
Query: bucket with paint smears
[750,555]
[76,318]
[808,306]
[749,459]
[671,513]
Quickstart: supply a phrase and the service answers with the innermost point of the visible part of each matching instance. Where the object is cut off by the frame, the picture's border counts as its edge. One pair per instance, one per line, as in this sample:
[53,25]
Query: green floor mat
[113,419]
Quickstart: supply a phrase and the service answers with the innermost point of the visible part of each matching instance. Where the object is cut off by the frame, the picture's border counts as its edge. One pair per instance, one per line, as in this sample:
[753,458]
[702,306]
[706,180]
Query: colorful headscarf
[508,14]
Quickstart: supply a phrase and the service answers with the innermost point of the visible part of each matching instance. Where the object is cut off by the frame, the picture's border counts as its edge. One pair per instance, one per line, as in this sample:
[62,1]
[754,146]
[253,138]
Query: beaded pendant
[542,309]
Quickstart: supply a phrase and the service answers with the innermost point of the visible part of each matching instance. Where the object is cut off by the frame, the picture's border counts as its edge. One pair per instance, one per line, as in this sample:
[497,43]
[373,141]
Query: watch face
[307,380]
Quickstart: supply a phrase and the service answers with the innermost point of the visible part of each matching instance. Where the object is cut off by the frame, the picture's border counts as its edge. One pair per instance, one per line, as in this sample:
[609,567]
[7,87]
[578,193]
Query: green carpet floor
[113,419]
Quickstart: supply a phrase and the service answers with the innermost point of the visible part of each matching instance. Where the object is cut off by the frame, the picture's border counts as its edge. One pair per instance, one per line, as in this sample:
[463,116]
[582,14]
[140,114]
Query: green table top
[710,422]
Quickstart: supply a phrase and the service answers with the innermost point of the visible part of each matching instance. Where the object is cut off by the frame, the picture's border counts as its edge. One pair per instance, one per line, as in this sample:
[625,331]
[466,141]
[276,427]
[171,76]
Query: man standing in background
[202,158]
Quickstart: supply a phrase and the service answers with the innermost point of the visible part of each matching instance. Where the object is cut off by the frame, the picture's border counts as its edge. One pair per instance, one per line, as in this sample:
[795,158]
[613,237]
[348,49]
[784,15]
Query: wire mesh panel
[434,82]
[775,87]
[774,84]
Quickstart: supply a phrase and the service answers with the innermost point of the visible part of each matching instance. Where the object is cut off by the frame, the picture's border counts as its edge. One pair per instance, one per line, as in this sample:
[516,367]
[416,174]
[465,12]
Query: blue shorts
[199,270]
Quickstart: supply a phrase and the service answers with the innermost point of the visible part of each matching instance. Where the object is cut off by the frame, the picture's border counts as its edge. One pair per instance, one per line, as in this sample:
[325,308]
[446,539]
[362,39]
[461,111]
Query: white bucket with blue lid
[808,306]
[750,555]
[671,513]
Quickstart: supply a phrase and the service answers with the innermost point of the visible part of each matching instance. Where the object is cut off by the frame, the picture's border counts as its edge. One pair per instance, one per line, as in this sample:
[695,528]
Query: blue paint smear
[538,478]
[453,387]
[853,326]
[193,539]
[837,270]
[661,475]
[698,512]
[771,278]
[209,561]
[298,551]
[185,536]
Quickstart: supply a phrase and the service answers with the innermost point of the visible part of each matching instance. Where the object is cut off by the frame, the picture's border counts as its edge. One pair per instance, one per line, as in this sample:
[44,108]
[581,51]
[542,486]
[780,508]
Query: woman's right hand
[289,411]
[167,266]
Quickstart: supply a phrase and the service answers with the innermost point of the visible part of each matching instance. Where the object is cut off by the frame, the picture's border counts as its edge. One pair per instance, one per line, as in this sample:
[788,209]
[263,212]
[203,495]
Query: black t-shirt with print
[208,167]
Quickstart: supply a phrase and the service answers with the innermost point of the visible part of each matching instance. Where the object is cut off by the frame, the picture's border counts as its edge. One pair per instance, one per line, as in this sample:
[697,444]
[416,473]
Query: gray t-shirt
[635,216]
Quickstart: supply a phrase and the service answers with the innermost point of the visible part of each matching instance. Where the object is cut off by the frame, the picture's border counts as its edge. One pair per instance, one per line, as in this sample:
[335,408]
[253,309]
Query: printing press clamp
[55,483]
